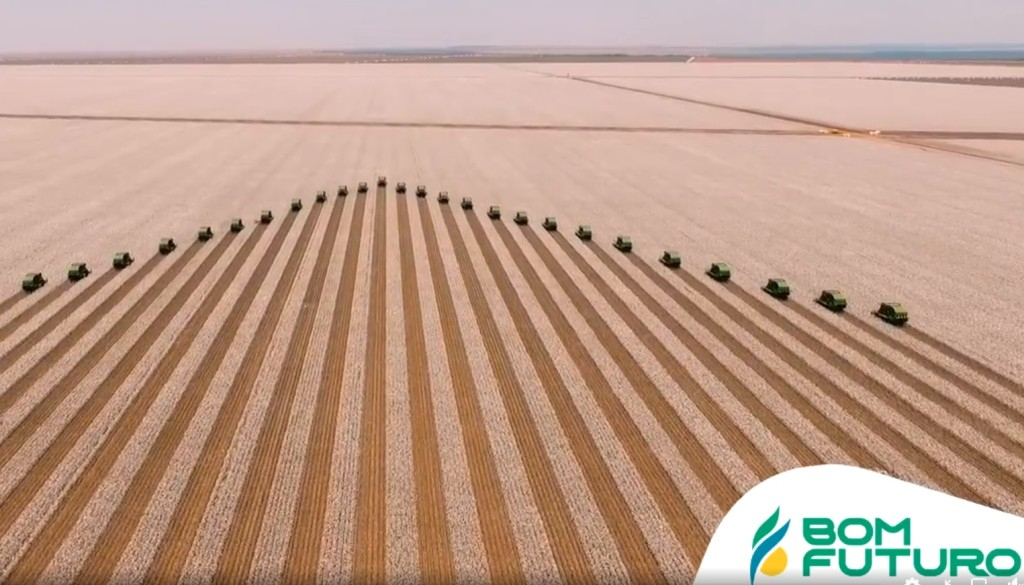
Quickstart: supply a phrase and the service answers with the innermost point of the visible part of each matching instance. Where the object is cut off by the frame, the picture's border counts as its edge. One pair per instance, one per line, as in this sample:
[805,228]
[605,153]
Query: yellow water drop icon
[776,562]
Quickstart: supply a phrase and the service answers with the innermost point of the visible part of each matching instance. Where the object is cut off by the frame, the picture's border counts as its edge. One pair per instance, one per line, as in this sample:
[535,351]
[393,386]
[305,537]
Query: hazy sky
[111,25]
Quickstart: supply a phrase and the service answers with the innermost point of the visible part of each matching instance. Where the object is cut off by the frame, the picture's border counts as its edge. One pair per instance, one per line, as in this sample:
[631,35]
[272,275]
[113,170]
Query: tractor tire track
[503,558]
[370,563]
[60,315]
[972,363]
[633,548]
[924,461]
[901,405]
[70,382]
[240,544]
[48,540]
[305,545]
[563,534]
[861,456]
[711,475]
[48,298]
[640,560]
[173,550]
[45,363]
[99,565]
[437,564]
[761,411]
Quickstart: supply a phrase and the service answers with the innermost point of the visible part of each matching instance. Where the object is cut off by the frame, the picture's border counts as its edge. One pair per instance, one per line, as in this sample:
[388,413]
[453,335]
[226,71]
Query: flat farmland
[381,386]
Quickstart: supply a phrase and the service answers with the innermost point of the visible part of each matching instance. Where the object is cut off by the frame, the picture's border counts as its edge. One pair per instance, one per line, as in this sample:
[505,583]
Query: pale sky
[150,25]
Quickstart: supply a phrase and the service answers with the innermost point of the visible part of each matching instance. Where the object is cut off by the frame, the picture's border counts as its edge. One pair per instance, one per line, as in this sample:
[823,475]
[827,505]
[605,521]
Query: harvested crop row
[40,305]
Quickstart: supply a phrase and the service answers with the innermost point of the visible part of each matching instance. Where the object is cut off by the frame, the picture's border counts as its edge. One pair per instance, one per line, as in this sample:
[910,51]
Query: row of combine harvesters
[833,300]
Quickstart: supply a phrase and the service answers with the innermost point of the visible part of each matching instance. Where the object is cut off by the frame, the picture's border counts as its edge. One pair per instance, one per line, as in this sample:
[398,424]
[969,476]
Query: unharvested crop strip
[761,411]
[25,316]
[784,388]
[959,356]
[672,504]
[174,547]
[436,561]
[632,546]
[50,537]
[305,545]
[45,363]
[241,540]
[71,381]
[714,479]
[370,563]
[503,559]
[61,314]
[563,534]
[924,461]
[100,563]
[905,408]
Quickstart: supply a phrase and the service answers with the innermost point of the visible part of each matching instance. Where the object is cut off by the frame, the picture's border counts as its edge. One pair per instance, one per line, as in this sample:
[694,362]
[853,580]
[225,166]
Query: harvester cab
[584,233]
[167,245]
[363,188]
[123,260]
[671,259]
[32,282]
[238,225]
[832,300]
[719,271]
[421,190]
[494,212]
[550,224]
[266,216]
[296,204]
[467,203]
[205,233]
[343,191]
[521,218]
[777,287]
[892,313]
[400,188]
[321,196]
[382,181]
[78,271]
[442,197]
[623,244]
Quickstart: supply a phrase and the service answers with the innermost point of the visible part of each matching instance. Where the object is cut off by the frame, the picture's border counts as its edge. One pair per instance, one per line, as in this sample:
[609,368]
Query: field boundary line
[437,563]
[631,544]
[239,547]
[503,559]
[102,559]
[923,460]
[304,548]
[743,394]
[370,550]
[970,454]
[176,543]
[660,408]
[559,524]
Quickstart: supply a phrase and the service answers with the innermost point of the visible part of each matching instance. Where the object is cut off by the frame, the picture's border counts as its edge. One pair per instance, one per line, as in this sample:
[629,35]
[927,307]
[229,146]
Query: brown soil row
[439,125]
[990,81]
[99,398]
[563,534]
[40,368]
[40,332]
[303,558]
[898,403]
[53,533]
[102,560]
[761,411]
[495,524]
[171,554]
[370,564]
[11,302]
[670,501]
[939,370]
[240,546]
[959,356]
[437,564]
[48,297]
[702,462]
[632,546]
[942,477]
